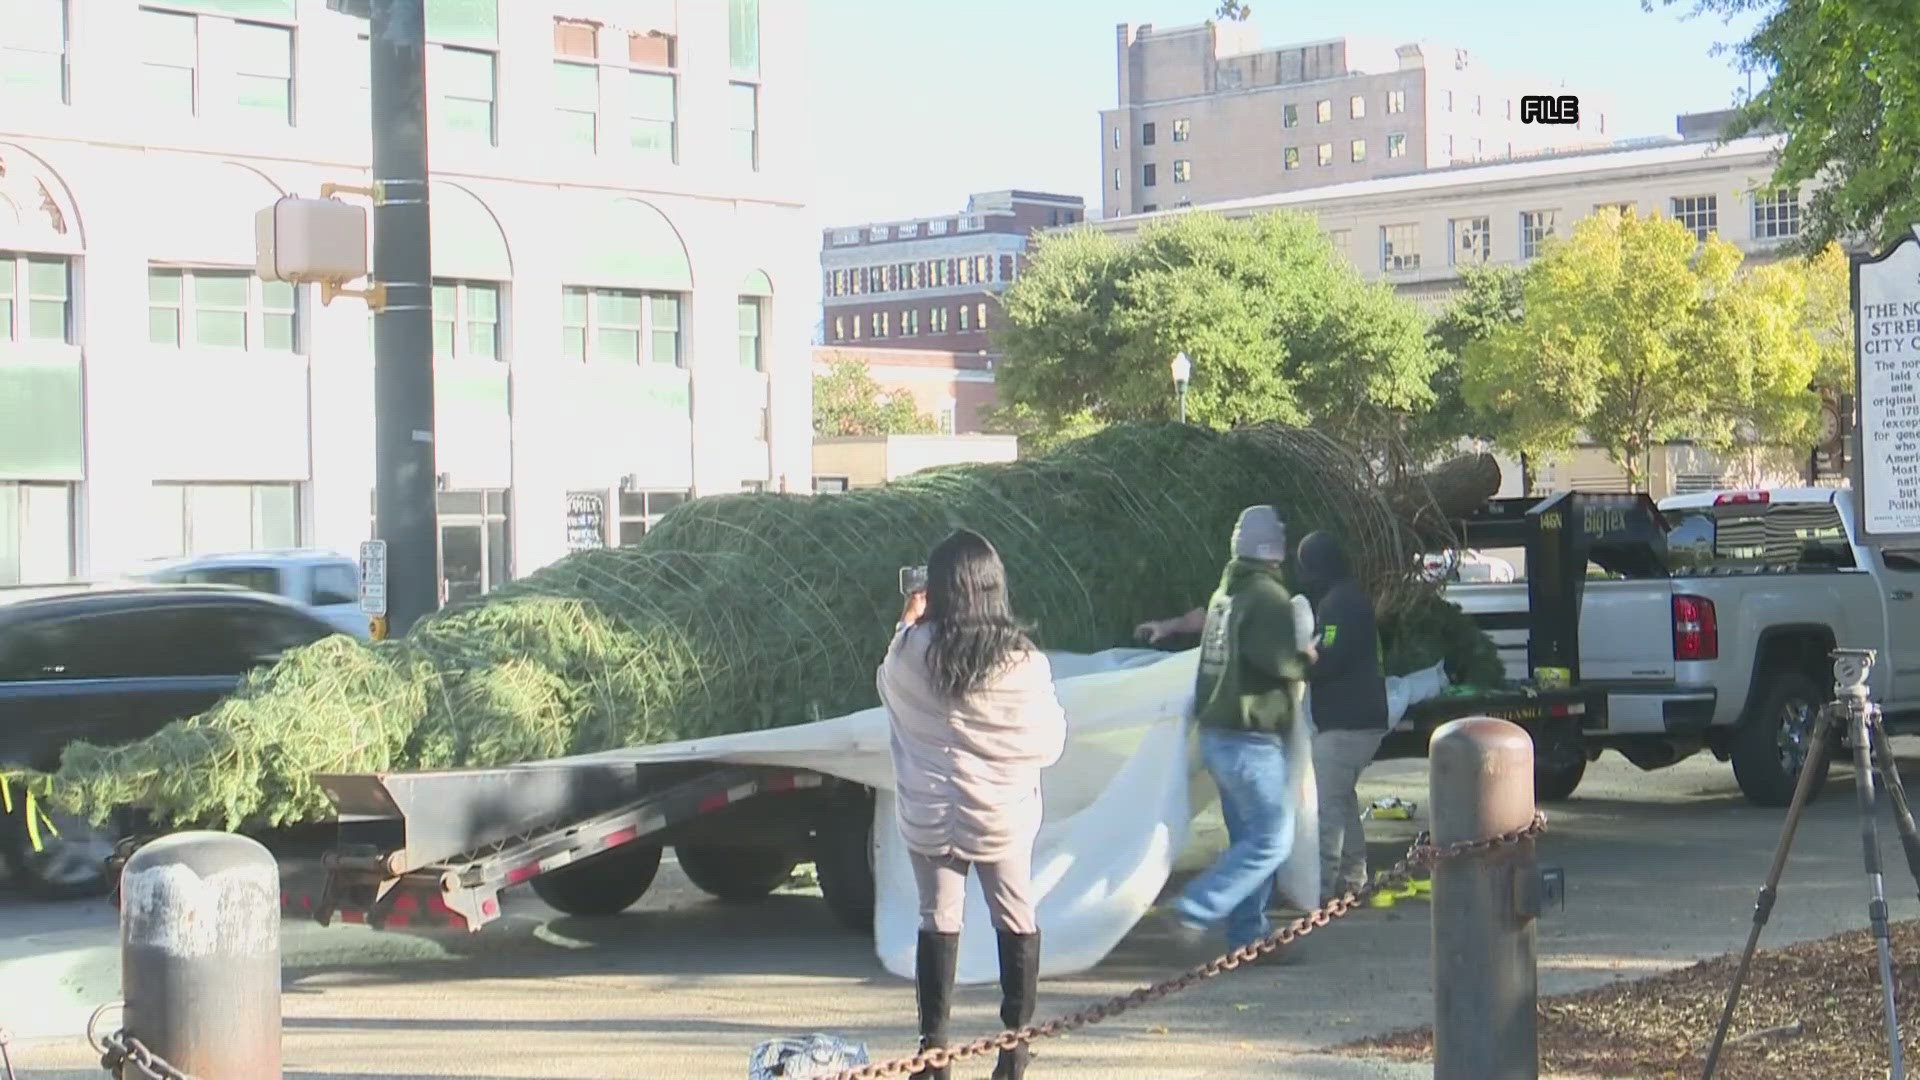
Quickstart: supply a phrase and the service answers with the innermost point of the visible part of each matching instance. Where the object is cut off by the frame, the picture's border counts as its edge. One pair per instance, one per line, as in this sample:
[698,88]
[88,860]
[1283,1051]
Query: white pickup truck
[1729,651]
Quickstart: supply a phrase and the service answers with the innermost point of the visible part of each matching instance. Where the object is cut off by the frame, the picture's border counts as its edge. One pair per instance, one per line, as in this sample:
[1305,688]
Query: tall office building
[622,263]
[1205,114]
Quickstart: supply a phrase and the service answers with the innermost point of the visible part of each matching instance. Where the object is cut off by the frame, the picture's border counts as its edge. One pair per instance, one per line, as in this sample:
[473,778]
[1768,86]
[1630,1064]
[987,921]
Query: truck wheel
[736,875]
[1559,763]
[69,865]
[1772,742]
[604,884]
[843,857]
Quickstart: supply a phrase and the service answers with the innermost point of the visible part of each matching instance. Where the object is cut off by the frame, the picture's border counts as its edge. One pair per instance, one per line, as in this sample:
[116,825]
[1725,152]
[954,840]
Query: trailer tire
[843,858]
[735,875]
[69,866]
[1771,743]
[604,884]
[1559,763]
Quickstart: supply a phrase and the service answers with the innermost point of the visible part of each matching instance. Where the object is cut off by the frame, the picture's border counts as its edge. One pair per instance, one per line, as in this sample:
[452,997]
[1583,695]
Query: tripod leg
[1889,770]
[1815,764]
[1863,755]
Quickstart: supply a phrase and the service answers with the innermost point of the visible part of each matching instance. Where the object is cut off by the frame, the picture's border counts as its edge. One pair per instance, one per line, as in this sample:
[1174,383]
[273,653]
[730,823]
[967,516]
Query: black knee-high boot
[935,961]
[1019,990]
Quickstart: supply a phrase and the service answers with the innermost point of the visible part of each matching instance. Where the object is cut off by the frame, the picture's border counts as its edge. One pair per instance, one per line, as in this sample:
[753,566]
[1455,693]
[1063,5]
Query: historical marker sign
[1886,333]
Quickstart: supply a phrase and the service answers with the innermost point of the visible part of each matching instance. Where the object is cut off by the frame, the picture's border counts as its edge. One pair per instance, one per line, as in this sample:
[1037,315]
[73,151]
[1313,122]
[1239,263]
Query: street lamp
[1182,371]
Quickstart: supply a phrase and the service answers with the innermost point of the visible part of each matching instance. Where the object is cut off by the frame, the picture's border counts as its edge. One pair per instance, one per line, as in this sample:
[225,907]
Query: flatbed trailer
[438,848]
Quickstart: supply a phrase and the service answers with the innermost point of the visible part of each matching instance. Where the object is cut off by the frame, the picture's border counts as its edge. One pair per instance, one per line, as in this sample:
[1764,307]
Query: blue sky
[918,103]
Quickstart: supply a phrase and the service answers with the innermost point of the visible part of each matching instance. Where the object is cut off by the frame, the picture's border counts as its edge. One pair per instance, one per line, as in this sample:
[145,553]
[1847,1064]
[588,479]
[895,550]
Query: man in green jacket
[1245,701]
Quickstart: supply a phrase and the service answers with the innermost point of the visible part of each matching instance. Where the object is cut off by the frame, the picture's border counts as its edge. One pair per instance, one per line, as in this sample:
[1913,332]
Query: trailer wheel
[843,857]
[605,884]
[1771,743]
[1559,762]
[735,875]
[71,862]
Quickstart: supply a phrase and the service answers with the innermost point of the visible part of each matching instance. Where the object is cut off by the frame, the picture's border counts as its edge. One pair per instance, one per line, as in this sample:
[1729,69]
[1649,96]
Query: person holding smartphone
[974,719]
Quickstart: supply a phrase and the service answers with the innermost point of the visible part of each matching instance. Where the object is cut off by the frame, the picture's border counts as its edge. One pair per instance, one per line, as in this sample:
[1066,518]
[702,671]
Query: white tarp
[1118,806]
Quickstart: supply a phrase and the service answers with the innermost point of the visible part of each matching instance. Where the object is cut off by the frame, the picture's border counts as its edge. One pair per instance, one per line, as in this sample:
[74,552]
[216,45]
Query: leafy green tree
[1278,326]
[848,400]
[1489,297]
[1827,284]
[1633,333]
[1845,88]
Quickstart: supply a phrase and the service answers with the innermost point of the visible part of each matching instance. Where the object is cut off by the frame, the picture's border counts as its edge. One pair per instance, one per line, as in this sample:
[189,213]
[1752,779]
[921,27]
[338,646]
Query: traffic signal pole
[405,485]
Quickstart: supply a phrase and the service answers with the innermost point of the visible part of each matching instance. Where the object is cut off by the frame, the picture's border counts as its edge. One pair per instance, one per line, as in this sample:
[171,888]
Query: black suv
[112,666]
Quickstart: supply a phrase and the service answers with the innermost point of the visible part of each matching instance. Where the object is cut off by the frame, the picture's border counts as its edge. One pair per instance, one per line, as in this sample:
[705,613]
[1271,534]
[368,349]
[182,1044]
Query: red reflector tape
[521,873]
[712,802]
[615,839]
[405,902]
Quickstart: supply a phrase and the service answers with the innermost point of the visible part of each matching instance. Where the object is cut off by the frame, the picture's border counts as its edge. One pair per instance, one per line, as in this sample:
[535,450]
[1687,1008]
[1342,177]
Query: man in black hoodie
[1349,706]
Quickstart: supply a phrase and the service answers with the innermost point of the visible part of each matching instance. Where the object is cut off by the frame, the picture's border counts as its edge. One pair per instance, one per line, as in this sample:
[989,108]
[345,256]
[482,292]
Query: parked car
[324,582]
[111,666]
[1727,648]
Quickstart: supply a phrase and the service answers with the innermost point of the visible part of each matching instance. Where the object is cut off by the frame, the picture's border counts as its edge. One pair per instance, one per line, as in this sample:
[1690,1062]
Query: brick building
[954,387]
[930,283]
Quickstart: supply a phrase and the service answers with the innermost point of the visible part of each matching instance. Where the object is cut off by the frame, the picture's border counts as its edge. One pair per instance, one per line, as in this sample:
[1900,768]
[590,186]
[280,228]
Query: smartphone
[913,579]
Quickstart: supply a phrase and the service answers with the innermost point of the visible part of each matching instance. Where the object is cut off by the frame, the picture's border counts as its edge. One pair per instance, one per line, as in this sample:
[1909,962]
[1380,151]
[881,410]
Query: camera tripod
[1872,756]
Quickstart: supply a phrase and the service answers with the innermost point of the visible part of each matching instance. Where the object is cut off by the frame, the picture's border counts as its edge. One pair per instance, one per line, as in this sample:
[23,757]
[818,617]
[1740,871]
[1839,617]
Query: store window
[475,552]
[620,326]
[213,518]
[642,510]
[36,533]
[223,309]
[466,320]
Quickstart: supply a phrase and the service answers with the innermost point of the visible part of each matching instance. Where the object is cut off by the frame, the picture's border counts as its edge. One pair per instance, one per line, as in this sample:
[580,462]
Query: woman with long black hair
[974,720]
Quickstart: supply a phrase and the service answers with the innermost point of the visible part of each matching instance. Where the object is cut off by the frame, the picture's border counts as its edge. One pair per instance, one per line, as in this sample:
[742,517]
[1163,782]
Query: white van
[324,582]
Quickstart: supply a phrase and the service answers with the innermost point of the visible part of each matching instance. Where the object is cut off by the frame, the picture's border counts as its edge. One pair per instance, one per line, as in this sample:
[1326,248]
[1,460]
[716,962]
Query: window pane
[666,312]
[470,21]
[445,300]
[170,90]
[622,345]
[461,561]
[276,516]
[278,330]
[46,278]
[442,339]
[46,320]
[483,341]
[222,288]
[666,347]
[743,106]
[468,121]
[261,50]
[163,286]
[277,296]
[483,302]
[576,86]
[743,35]
[265,95]
[580,129]
[651,95]
[163,326]
[224,329]
[498,562]
[617,308]
[652,138]
[7,277]
[219,518]
[573,307]
[6,318]
[260,9]
[169,39]
[461,73]
[573,343]
[458,502]
[750,316]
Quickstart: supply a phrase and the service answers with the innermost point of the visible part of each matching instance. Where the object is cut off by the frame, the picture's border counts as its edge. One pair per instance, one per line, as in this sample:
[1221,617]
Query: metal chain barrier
[119,1050]
[1423,854]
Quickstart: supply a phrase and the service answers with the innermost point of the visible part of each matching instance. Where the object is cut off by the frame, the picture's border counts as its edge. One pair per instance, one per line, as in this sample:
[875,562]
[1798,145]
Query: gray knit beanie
[1260,535]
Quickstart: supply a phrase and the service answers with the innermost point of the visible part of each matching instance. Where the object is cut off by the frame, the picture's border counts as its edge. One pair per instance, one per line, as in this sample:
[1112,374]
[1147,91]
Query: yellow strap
[33,822]
[6,796]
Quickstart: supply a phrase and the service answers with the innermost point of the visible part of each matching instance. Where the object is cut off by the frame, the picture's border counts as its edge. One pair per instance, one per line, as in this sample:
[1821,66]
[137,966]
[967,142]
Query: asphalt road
[1661,870]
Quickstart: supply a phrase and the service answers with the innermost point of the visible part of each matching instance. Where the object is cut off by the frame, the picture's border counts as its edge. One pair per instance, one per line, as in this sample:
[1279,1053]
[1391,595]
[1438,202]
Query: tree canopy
[1278,326]
[1844,86]
[1632,332]
[848,400]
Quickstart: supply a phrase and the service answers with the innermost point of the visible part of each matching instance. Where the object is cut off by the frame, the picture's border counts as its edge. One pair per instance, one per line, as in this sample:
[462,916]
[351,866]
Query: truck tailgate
[1626,628]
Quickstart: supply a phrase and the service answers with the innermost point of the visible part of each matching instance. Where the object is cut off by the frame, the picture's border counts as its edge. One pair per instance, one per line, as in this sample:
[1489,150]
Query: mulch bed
[1809,1010]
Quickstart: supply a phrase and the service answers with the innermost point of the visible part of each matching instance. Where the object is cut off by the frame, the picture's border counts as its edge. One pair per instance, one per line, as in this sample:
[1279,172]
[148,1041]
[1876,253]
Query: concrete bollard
[200,955]
[1485,982]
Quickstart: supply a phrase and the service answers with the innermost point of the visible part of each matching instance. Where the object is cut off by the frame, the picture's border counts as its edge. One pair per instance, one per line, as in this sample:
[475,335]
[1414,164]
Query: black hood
[1323,564]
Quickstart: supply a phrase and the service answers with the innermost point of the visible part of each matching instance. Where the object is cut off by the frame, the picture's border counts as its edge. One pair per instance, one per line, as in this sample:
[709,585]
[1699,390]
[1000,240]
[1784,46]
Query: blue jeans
[1250,769]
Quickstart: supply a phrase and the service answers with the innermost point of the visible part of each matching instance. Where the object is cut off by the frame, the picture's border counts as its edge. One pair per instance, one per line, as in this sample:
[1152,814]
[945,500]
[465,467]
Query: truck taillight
[1696,632]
